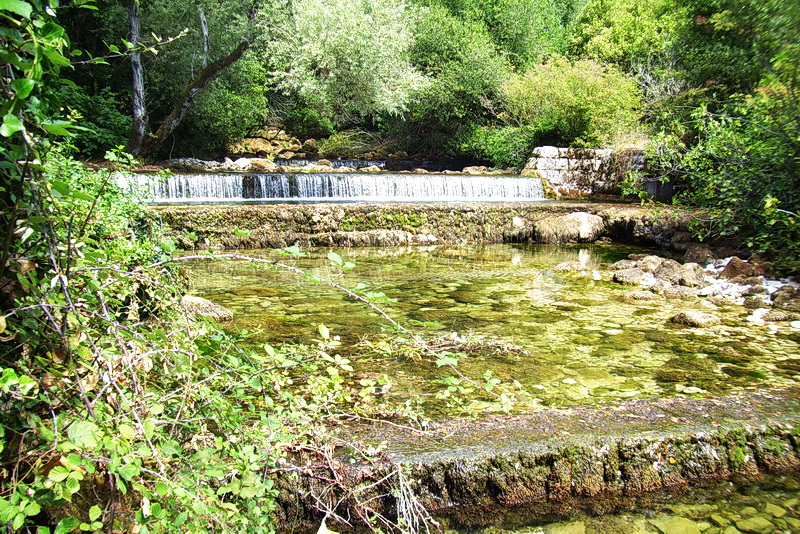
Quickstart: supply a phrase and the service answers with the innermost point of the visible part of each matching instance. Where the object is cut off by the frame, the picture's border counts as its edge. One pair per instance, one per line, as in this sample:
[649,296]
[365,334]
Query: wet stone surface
[769,507]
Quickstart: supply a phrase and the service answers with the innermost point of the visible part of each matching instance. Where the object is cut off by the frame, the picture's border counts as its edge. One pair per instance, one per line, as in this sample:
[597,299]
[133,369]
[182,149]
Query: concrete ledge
[549,465]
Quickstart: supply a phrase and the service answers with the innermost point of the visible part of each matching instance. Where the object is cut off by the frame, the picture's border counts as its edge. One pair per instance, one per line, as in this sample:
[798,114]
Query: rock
[792,305]
[326,162]
[262,165]
[568,267]
[576,527]
[199,306]
[755,525]
[669,271]
[630,277]
[778,316]
[623,264]
[698,253]
[310,146]
[731,530]
[692,275]
[680,292]
[650,264]
[675,525]
[774,510]
[639,295]
[476,170]
[738,267]
[371,168]
[578,227]
[696,318]
[720,521]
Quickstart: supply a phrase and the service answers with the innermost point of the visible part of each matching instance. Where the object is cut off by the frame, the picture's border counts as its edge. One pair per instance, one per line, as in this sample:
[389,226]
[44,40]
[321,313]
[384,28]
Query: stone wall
[581,172]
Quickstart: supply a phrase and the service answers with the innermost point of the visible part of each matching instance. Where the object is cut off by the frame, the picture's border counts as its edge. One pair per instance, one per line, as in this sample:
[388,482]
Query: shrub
[308,123]
[583,103]
[505,147]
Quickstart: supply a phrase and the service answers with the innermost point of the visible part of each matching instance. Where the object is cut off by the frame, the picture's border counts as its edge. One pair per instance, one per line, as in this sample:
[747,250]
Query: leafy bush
[504,147]
[466,73]
[581,103]
[348,143]
[742,170]
[308,123]
[103,124]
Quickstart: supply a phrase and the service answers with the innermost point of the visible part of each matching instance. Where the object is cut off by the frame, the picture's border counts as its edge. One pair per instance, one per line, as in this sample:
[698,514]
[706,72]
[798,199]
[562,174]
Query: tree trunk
[201,14]
[172,121]
[139,112]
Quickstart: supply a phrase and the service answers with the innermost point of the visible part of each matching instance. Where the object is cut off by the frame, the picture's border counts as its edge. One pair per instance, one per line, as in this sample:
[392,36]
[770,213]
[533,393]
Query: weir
[336,187]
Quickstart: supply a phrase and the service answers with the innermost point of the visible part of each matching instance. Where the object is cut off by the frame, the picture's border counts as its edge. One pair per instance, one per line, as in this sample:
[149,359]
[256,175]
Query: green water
[582,342]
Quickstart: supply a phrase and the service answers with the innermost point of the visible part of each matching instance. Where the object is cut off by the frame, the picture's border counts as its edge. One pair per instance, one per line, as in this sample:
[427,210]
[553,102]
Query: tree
[346,58]
[140,144]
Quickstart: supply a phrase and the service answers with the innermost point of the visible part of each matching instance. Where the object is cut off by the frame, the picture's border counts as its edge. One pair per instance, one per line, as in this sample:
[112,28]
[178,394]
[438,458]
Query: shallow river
[583,343]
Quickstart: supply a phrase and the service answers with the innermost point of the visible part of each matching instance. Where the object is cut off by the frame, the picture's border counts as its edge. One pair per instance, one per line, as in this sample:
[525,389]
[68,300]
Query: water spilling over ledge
[336,187]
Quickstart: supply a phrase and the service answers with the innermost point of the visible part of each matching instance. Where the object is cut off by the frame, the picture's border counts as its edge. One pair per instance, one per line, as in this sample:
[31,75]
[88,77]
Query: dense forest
[98,370]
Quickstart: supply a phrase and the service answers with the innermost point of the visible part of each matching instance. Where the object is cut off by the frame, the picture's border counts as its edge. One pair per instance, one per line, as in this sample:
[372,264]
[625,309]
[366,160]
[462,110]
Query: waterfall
[336,187]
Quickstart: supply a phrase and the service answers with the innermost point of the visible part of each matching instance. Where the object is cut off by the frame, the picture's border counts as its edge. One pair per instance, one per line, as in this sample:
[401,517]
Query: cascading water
[337,187]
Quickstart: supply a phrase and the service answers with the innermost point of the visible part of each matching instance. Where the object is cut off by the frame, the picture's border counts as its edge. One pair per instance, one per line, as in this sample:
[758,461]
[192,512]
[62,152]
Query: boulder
[737,267]
[623,264]
[650,264]
[262,165]
[696,318]
[698,253]
[578,227]
[476,170]
[192,306]
[630,277]
[669,271]
[310,146]
[692,275]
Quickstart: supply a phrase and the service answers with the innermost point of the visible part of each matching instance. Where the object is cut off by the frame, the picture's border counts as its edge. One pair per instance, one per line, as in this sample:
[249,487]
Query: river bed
[578,341]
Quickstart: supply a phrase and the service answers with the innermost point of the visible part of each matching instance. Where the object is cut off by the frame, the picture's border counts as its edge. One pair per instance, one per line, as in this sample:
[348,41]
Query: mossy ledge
[280,225]
[528,469]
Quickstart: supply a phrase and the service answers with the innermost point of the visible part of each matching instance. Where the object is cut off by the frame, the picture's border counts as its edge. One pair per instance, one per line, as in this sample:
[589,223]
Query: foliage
[466,73]
[742,171]
[579,103]
[308,123]
[525,31]
[504,147]
[103,125]
[623,32]
[234,105]
[348,143]
[346,59]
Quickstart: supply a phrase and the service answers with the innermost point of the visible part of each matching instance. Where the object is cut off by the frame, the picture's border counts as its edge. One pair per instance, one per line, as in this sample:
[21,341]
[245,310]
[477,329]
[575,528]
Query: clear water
[582,343]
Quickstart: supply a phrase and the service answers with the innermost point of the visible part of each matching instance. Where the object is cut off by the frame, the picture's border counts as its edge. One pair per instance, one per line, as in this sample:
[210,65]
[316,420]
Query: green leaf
[57,127]
[83,434]
[324,332]
[23,9]
[11,124]
[58,474]
[23,87]
[67,525]
[32,509]
[181,519]
[94,513]
[335,259]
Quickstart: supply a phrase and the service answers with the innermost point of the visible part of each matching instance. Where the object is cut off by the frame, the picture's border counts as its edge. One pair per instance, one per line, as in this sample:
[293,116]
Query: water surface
[580,341]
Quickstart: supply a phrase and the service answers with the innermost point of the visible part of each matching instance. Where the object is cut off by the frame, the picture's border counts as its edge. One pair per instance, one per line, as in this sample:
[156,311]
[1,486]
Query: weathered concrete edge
[398,224]
[517,478]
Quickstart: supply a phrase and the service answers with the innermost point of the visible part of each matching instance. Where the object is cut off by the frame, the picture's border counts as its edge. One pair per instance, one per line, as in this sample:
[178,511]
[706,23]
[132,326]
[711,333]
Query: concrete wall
[581,172]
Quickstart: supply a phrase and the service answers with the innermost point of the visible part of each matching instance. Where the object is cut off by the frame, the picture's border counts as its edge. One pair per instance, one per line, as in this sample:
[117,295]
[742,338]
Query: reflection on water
[585,342]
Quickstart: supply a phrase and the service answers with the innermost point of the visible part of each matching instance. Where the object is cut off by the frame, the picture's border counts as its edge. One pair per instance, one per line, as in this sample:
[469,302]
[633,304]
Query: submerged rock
[568,267]
[639,295]
[192,306]
[696,318]
[675,525]
[680,292]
